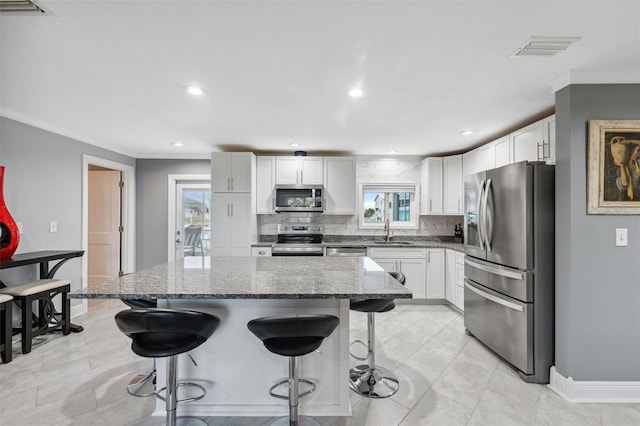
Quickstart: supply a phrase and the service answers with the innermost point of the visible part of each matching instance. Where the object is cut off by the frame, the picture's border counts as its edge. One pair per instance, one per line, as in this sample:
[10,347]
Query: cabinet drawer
[402,253]
[459,297]
[260,251]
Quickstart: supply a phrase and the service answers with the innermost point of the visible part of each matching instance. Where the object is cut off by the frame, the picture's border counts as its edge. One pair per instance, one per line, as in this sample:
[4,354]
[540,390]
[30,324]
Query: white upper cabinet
[265,184]
[441,185]
[340,185]
[431,186]
[232,171]
[299,170]
[502,151]
[452,185]
[479,159]
[535,142]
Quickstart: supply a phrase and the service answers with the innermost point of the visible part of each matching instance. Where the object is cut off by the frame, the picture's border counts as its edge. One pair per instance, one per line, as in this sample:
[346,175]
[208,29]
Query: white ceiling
[112,73]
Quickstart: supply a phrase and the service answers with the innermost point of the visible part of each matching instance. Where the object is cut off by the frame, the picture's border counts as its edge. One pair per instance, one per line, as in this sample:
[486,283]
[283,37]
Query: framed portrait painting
[613,175]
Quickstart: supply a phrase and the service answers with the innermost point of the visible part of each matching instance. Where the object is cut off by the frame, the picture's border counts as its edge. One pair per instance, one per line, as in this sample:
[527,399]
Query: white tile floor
[446,378]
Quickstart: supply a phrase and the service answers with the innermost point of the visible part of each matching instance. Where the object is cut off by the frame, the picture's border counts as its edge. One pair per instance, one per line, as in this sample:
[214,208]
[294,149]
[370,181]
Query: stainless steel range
[298,240]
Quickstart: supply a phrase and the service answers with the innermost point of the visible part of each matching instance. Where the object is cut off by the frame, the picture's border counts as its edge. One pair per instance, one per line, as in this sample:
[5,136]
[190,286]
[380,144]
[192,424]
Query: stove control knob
[286,228]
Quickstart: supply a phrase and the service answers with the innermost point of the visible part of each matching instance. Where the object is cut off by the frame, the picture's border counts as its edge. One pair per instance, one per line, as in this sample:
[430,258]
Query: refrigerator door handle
[488,218]
[493,298]
[479,218]
[494,270]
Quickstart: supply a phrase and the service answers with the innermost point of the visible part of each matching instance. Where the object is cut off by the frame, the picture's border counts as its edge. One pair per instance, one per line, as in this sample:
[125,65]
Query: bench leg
[27,324]
[6,333]
[66,312]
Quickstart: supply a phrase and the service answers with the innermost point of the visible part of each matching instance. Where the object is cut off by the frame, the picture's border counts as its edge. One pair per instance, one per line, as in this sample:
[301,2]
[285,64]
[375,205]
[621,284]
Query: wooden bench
[42,291]
[5,327]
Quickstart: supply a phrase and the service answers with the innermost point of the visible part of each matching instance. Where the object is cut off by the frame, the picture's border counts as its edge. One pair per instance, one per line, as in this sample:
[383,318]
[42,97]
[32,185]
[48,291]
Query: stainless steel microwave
[293,198]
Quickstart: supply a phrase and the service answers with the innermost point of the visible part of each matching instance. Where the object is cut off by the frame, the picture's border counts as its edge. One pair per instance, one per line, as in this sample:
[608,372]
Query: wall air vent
[19,6]
[543,47]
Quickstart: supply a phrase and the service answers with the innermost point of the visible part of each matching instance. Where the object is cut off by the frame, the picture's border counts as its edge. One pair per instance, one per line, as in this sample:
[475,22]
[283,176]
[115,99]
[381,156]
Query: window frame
[413,223]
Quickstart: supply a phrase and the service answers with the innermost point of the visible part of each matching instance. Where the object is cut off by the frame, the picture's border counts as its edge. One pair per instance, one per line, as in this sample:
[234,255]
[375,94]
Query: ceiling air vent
[19,6]
[543,47]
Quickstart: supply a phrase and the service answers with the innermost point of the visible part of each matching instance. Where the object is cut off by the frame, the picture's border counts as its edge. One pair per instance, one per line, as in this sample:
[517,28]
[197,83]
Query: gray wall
[43,182]
[597,283]
[152,218]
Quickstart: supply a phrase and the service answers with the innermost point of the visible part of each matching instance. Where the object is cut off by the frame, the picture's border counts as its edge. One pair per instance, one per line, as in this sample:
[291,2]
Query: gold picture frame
[613,169]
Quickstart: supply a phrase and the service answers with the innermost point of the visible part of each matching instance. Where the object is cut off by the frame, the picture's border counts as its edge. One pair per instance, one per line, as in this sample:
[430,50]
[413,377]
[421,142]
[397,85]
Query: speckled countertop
[284,277]
[355,241]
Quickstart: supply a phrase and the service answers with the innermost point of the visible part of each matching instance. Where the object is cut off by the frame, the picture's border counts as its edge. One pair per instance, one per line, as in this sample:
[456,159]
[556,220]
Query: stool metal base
[302,421]
[143,384]
[376,383]
[189,421]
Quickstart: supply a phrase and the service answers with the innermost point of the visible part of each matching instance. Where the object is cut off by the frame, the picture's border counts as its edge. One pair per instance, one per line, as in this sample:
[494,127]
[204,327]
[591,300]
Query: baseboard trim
[594,392]
[77,310]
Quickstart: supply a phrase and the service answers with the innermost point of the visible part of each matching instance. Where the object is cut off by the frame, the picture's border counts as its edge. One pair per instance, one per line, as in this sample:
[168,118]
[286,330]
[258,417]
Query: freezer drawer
[508,281]
[503,324]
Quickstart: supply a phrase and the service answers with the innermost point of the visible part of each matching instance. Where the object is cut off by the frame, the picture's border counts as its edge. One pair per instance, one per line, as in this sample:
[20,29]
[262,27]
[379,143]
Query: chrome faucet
[387,230]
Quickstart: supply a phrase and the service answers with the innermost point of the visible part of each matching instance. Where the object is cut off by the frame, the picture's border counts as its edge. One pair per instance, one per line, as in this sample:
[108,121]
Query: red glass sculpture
[9,235]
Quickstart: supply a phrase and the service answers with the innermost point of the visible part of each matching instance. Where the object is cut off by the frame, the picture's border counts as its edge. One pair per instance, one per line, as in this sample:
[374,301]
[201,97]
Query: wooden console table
[43,258]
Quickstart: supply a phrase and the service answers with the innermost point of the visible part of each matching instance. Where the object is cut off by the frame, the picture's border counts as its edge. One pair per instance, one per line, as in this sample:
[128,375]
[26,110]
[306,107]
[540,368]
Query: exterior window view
[399,206]
[196,222]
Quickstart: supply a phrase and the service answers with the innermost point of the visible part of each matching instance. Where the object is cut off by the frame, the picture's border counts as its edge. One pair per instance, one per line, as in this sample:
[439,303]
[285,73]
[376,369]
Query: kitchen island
[233,366]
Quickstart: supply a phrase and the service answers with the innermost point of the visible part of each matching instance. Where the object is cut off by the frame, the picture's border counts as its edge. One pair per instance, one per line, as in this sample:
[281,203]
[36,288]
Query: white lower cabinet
[232,233]
[411,262]
[435,273]
[455,278]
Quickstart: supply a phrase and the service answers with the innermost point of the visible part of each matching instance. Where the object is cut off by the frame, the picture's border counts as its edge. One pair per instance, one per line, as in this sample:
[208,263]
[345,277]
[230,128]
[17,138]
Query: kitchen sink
[393,243]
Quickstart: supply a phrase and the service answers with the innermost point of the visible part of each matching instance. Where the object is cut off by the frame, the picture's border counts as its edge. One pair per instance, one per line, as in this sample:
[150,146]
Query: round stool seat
[159,333]
[140,303]
[376,305]
[293,335]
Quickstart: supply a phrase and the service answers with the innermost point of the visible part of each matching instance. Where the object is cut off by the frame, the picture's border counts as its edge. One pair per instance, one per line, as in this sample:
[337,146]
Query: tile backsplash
[348,225]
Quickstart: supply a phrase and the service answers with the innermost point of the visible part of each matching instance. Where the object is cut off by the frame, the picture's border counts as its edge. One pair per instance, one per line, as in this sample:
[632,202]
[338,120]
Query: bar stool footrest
[286,382]
[185,400]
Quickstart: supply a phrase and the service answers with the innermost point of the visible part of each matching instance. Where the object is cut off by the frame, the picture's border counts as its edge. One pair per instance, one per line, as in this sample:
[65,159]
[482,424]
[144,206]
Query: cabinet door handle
[428,256]
[228,184]
[538,146]
[546,154]
[430,205]
[228,209]
[231,184]
[273,202]
[231,205]
[301,177]
[261,252]
[459,209]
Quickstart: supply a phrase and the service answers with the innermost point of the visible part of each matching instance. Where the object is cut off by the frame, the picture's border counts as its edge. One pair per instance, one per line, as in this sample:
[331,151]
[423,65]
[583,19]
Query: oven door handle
[493,298]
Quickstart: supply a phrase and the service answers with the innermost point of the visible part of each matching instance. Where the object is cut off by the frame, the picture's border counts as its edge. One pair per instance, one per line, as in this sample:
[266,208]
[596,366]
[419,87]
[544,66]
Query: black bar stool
[371,380]
[137,385]
[159,333]
[293,336]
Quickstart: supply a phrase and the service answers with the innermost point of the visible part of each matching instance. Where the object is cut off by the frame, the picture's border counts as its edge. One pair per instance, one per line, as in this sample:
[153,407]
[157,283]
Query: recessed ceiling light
[194,90]
[178,144]
[393,151]
[295,145]
[467,132]
[356,92]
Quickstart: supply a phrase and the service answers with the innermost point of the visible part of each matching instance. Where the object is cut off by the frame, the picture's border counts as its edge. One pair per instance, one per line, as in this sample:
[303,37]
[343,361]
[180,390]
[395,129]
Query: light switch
[53,226]
[621,237]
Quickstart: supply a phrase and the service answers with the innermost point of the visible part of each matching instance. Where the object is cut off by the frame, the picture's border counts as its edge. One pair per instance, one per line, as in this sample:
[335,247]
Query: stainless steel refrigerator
[509,267]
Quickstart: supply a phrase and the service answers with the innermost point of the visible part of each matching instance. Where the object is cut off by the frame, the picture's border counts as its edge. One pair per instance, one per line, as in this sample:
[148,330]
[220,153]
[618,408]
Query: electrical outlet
[53,226]
[621,237]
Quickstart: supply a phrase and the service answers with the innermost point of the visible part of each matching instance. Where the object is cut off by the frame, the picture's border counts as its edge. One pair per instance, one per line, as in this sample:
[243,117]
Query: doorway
[189,219]
[108,233]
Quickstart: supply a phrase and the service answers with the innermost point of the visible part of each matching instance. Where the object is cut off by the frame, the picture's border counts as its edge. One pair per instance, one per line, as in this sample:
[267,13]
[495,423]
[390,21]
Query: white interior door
[104,219]
[193,221]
